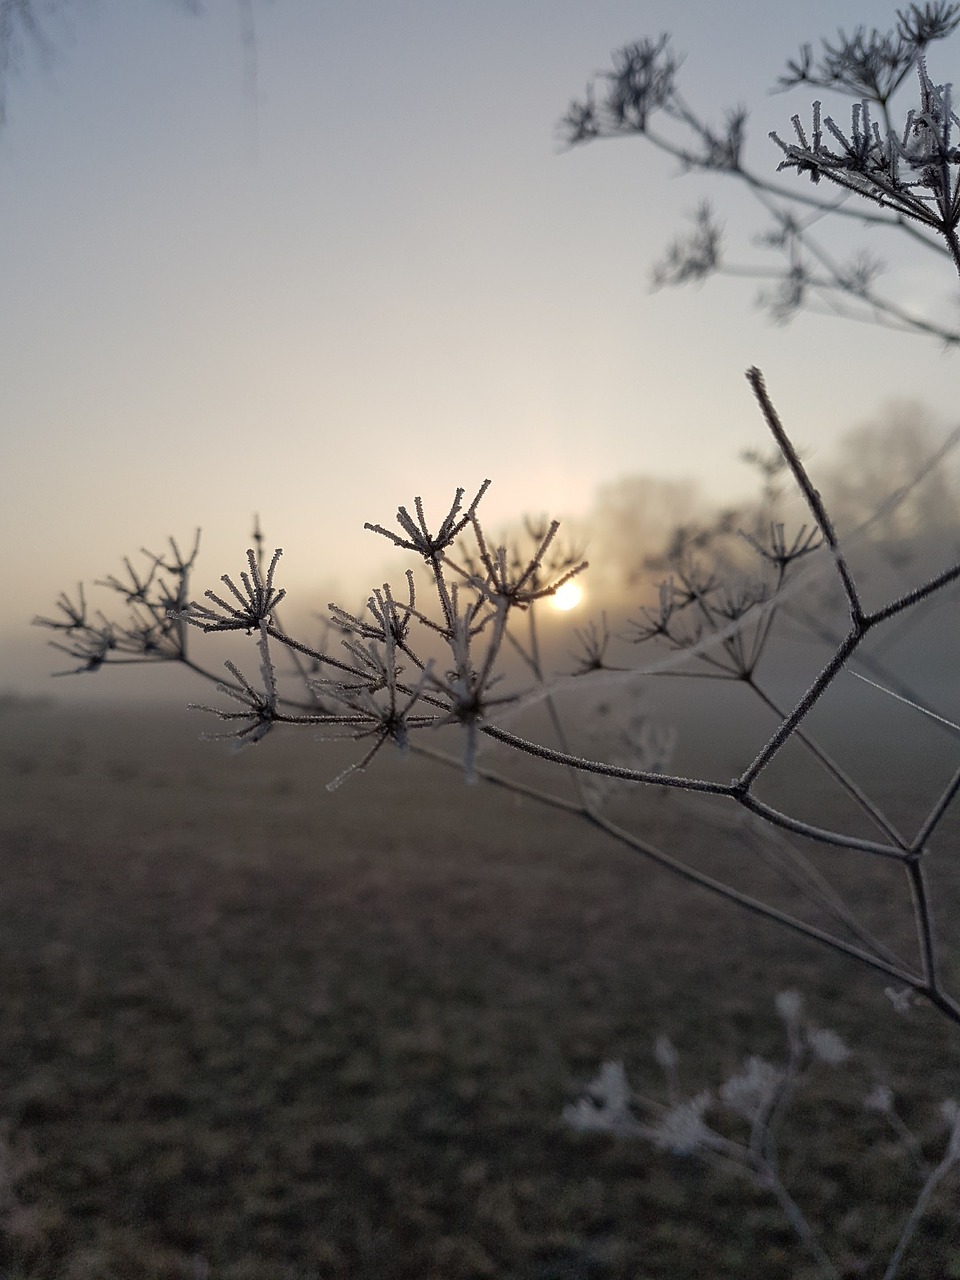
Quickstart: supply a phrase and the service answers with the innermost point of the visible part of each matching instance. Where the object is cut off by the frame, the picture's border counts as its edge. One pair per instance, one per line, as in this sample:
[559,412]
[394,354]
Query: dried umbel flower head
[642,82]
[915,172]
[418,537]
[254,606]
[151,632]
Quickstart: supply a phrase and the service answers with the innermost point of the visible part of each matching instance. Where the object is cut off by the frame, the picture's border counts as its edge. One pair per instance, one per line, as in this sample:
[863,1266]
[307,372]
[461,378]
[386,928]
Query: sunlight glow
[568,596]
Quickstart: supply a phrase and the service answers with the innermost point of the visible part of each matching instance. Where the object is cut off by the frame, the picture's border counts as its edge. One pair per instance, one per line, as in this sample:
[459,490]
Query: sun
[568,596]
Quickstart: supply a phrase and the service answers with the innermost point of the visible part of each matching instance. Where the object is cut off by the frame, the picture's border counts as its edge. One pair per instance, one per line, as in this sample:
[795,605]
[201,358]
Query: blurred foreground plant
[739,1126]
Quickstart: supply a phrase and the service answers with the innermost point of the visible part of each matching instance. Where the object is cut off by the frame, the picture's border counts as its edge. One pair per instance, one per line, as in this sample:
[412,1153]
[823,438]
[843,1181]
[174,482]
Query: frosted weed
[423,658]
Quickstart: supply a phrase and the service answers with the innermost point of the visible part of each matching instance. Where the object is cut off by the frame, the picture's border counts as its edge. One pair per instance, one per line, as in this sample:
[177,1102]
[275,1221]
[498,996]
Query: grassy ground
[252,1029]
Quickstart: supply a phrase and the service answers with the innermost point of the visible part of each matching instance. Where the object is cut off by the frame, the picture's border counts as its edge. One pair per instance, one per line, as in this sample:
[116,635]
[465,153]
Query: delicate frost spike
[336,783]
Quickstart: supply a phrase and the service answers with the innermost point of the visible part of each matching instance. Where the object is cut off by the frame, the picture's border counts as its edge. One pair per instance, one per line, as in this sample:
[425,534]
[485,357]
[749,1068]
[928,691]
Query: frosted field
[249,1028]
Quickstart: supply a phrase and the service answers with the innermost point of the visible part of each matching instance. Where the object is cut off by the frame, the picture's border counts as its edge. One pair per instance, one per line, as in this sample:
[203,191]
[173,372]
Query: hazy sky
[373,274]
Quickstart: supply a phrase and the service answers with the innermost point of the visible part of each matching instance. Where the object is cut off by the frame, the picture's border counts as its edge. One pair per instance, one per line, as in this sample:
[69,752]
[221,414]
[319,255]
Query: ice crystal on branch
[918,27]
[74,615]
[384,719]
[593,641]
[778,550]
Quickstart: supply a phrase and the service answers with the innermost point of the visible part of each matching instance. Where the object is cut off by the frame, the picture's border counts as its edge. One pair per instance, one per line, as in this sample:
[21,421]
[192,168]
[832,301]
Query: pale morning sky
[379,275]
